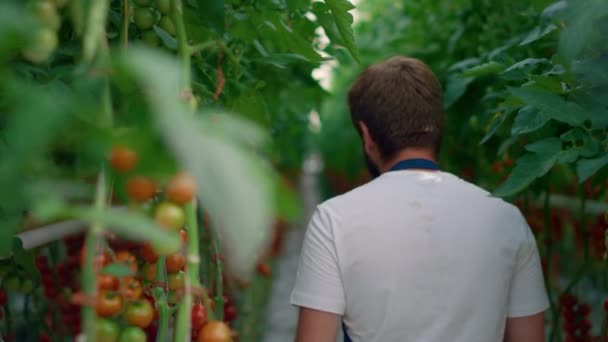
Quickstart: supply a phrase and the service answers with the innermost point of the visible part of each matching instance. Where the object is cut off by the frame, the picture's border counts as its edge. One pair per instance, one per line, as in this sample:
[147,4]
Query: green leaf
[325,18]
[25,259]
[555,9]
[584,144]
[551,105]
[212,13]
[537,33]
[117,270]
[490,68]
[521,69]
[234,184]
[529,167]
[456,87]
[588,167]
[497,120]
[528,120]
[166,38]
[344,21]
[545,146]
[547,83]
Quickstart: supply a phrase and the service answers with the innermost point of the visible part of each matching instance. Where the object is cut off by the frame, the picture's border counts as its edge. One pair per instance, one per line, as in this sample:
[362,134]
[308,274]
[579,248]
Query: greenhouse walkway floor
[282,317]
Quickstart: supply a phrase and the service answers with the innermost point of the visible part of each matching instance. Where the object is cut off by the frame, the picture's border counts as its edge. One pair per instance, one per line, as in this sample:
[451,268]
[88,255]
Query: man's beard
[374,171]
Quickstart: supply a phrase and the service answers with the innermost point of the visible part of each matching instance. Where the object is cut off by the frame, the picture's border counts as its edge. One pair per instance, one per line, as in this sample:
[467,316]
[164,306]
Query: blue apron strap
[416,164]
[420,164]
[346,337]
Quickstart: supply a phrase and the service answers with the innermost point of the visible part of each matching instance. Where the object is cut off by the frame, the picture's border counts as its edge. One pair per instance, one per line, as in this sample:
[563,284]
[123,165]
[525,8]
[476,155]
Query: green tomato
[106,330]
[167,24]
[170,216]
[132,334]
[41,47]
[149,37]
[164,6]
[145,18]
[176,281]
[142,3]
[46,13]
[12,284]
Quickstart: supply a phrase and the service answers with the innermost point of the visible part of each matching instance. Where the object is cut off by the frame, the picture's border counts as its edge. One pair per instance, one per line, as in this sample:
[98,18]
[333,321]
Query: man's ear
[368,142]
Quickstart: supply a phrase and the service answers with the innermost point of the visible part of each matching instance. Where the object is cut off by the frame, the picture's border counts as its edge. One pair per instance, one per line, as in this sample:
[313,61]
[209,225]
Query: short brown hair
[401,103]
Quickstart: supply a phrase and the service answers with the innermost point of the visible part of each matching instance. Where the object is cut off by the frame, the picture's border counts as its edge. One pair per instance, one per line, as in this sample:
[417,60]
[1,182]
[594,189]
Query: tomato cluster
[127,274]
[576,323]
[148,14]
[44,40]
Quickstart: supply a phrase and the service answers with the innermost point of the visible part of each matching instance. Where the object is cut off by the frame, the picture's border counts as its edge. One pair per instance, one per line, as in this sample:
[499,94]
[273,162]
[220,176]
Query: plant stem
[160,300]
[583,220]
[93,241]
[219,275]
[125,24]
[202,46]
[549,248]
[182,40]
[182,332]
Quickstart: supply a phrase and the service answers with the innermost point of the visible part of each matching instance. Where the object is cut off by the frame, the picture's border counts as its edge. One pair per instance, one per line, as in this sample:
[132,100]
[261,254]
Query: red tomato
[3,298]
[108,304]
[123,159]
[215,331]
[230,312]
[107,282]
[175,262]
[140,313]
[147,253]
[199,316]
[181,189]
[140,189]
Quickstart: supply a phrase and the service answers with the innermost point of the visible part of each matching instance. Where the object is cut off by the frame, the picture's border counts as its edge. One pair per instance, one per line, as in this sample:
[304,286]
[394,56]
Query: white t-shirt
[417,256]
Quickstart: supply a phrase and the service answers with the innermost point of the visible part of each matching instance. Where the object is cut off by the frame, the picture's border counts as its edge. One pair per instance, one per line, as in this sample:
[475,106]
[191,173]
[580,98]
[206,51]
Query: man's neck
[409,153]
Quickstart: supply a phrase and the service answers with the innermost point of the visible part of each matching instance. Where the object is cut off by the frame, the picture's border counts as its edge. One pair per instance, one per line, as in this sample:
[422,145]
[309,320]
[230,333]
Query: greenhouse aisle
[282,317]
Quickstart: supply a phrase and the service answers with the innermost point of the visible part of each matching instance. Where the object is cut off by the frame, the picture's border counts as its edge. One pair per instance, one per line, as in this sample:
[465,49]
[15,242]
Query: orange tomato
[124,257]
[122,158]
[175,262]
[108,304]
[150,272]
[181,189]
[215,331]
[132,289]
[140,189]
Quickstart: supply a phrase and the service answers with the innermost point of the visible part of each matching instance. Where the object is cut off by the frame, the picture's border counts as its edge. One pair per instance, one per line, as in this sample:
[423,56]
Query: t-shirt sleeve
[318,282]
[528,295]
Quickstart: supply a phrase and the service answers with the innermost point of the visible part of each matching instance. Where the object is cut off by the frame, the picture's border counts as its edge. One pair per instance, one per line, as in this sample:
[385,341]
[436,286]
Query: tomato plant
[125,122]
